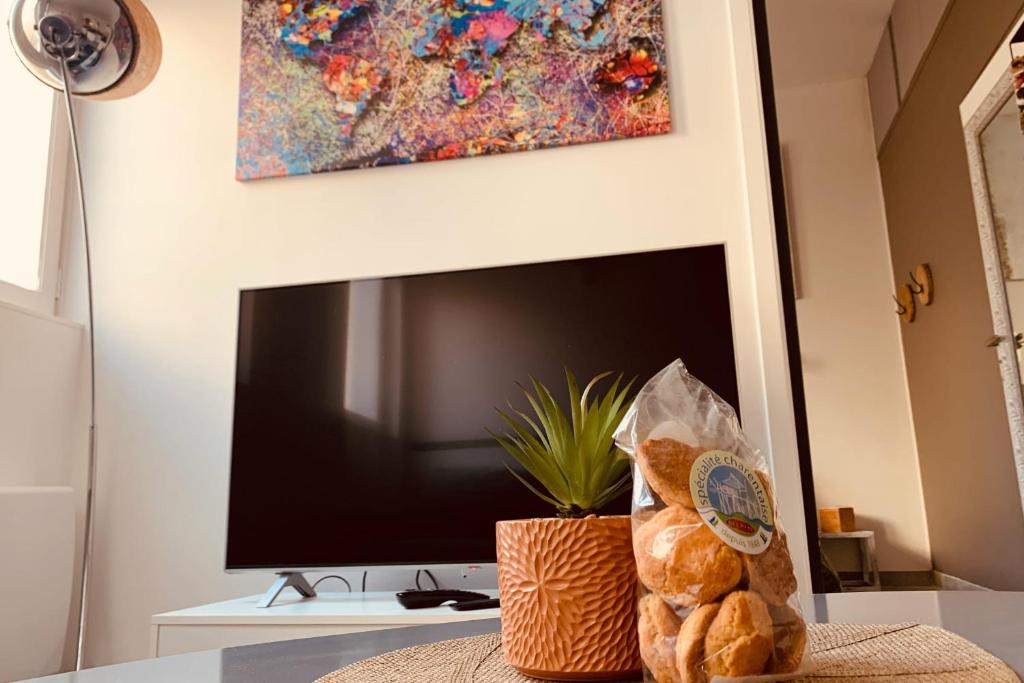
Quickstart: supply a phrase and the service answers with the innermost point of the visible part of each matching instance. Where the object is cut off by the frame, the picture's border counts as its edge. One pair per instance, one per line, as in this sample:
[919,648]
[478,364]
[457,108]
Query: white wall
[862,440]
[176,237]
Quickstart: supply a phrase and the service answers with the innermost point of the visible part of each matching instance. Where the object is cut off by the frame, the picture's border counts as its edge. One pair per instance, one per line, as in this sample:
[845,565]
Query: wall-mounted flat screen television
[362,408]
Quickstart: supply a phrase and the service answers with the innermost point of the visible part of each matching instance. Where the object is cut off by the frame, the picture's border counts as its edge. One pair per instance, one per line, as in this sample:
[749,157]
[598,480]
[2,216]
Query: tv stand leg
[284,580]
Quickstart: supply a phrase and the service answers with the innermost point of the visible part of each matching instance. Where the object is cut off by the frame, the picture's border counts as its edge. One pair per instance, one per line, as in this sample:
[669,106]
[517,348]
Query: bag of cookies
[718,592]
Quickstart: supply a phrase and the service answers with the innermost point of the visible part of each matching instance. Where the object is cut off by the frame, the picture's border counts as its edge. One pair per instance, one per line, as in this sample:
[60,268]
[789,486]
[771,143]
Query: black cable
[333,576]
[433,579]
[364,581]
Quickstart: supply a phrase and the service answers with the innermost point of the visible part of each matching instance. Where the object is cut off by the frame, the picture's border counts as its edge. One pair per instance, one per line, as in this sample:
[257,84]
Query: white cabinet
[912,25]
[240,622]
[914,22]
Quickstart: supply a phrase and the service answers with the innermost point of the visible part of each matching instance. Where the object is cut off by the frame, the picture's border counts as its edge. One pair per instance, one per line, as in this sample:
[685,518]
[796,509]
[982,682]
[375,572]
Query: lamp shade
[112,47]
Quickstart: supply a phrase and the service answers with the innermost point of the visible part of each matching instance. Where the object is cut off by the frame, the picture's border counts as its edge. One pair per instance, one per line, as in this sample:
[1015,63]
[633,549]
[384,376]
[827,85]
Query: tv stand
[285,579]
[240,622]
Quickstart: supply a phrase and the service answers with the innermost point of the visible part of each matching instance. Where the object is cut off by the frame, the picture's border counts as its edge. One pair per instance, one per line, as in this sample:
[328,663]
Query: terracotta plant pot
[568,598]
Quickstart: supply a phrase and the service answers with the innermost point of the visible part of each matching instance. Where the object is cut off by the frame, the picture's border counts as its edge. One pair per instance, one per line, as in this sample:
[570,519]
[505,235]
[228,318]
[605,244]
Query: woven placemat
[841,653]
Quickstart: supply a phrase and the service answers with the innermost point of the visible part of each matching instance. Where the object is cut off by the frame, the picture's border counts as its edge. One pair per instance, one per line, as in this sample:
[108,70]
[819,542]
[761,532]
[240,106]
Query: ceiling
[816,41]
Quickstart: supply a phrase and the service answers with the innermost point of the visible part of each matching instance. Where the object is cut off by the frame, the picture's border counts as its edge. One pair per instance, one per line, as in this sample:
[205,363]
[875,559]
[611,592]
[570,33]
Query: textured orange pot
[568,598]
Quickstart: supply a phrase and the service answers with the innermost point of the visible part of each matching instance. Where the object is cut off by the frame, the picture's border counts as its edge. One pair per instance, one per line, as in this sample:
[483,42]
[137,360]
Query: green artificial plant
[573,458]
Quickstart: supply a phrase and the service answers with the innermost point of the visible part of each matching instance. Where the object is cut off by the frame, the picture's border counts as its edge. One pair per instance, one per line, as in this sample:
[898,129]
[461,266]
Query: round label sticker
[732,501]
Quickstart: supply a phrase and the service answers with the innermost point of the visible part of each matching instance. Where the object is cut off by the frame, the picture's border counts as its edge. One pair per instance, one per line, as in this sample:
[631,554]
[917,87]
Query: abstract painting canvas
[328,85]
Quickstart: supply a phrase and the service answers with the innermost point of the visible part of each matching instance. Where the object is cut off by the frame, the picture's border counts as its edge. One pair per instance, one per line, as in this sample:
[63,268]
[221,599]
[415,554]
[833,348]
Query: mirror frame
[1002,324]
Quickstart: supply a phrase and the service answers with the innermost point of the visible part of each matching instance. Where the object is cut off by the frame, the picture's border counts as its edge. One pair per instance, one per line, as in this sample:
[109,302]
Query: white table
[241,622]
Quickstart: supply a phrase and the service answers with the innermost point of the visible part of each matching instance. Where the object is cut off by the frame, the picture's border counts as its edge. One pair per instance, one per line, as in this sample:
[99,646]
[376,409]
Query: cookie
[789,635]
[657,628]
[739,640]
[771,572]
[690,644]
[682,560]
[666,464]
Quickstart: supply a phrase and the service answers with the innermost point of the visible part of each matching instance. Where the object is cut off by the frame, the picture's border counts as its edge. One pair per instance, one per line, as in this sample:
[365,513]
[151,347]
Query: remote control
[489,603]
[417,599]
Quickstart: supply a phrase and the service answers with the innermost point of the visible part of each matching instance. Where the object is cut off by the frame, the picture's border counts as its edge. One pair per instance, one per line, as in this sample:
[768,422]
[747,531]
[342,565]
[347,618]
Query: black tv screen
[362,408]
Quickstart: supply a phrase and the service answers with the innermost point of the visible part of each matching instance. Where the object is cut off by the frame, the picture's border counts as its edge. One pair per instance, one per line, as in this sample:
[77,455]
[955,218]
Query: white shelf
[326,608]
[846,534]
[241,622]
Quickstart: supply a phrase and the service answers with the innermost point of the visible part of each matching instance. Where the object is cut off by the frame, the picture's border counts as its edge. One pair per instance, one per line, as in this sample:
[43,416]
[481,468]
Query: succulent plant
[573,458]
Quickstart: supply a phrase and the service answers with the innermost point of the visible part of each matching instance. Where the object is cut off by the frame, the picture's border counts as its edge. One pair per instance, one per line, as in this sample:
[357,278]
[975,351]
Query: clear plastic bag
[718,591]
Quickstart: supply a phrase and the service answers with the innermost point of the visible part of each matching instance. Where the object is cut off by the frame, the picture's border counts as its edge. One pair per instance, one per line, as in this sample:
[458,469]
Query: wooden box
[836,520]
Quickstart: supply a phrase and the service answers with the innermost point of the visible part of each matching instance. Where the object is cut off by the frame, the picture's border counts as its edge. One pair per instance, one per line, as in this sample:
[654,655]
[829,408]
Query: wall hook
[915,286]
[905,307]
[923,283]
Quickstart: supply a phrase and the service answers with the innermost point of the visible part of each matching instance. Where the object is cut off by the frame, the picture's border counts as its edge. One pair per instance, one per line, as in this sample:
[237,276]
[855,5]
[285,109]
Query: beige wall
[176,237]
[862,442]
[975,521]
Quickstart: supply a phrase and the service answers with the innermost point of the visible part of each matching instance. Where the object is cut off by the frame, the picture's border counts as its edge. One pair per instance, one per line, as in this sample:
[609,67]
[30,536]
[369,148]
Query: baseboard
[921,580]
[953,583]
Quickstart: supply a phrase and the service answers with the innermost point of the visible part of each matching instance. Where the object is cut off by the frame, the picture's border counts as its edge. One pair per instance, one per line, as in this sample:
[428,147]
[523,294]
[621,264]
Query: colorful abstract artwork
[328,85]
